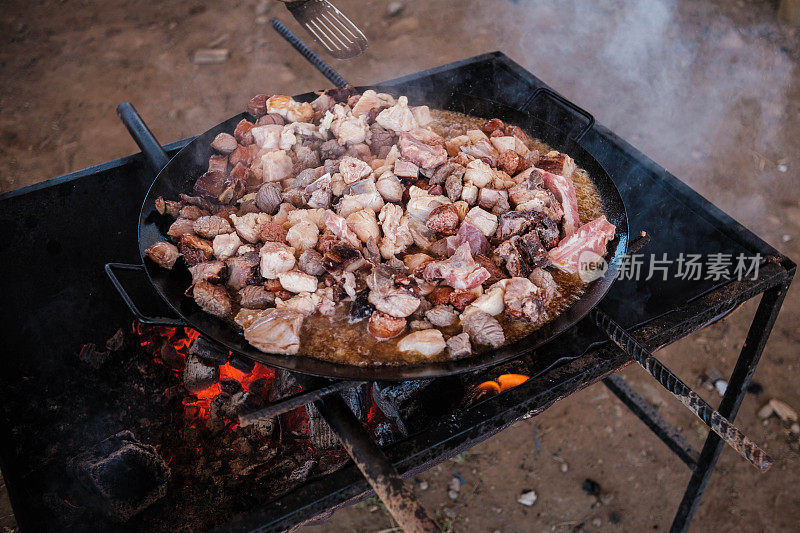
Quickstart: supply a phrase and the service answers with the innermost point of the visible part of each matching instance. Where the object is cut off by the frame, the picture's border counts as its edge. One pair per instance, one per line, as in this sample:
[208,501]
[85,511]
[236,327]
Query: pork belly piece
[226,245]
[442,315]
[483,328]
[310,262]
[256,297]
[290,109]
[213,299]
[428,342]
[242,270]
[459,271]
[218,163]
[478,173]
[544,280]
[557,163]
[303,235]
[420,153]
[209,227]
[458,346]
[275,259]
[210,271]
[396,235]
[482,150]
[276,166]
[404,168]
[248,226]
[564,191]
[194,249]
[163,254]
[353,169]
[364,224]
[389,297]
[338,226]
[296,281]
[594,236]
[384,327]
[224,143]
[524,300]
[486,222]
[398,118]
[272,330]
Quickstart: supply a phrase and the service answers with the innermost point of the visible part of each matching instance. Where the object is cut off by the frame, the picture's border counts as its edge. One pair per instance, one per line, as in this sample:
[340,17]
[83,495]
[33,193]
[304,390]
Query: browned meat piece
[256,297]
[443,219]
[163,254]
[210,271]
[243,155]
[194,249]
[421,154]
[325,243]
[389,297]
[218,163]
[192,212]
[234,190]
[483,328]
[458,346]
[167,207]
[544,280]
[548,232]
[511,162]
[459,271]
[274,285]
[342,257]
[341,94]
[242,270]
[442,315]
[180,227]
[461,299]
[243,133]
[272,330]
[454,186]
[557,163]
[516,131]
[440,175]
[467,233]
[271,118]
[269,198]
[530,245]
[496,273]
[524,300]
[245,176]
[419,325]
[211,226]
[531,158]
[331,150]
[513,223]
[512,257]
[310,262]
[276,258]
[211,184]
[213,299]
[382,140]
[224,143]
[384,327]
[257,106]
[440,295]
[360,308]
[306,177]
[199,201]
[306,158]
[271,232]
[493,125]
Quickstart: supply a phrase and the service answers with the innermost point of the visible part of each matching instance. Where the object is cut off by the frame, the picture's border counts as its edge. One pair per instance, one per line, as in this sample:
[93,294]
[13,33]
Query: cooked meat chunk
[211,271]
[248,226]
[458,271]
[210,226]
[242,270]
[459,346]
[382,140]
[442,315]
[360,308]
[242,133]
[454,186]
[460,299]
[511,162]
[303,235]
[273,330]
[275,259]
[243,155]
[404,168]
[467,233]
[495,272]
[257,106]
[213,299]
[353,169]
[544,280]
[483,328]
[331,150]
[387,296]
[428,342]
[557,163]
[491,301]
[272,232]
[513,257]
[513,223]
[384,327]
[338,226]
[524,300]
[417,325]
[269,198]
[440,295]
[564,191]
[192,212]
[396,235]
[226,245]
[218,163]
[493,125]
[484,221]
[593,236]
[547,229]
[443,219]
[310,262]
[530,245]
[364,224]
[421,154]
[211,184]
[296,281]
[398,118]
[167,207]
[194,249]
[390,188]
[256,297]
[163,254]
[276,166]
[224,143]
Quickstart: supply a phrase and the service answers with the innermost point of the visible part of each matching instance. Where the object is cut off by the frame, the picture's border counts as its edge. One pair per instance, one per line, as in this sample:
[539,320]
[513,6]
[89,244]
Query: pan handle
[144,319]
[566,103]
[156,157]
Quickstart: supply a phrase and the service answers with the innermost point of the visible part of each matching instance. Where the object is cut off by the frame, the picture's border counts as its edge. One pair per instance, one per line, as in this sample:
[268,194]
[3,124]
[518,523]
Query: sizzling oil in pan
[333,338]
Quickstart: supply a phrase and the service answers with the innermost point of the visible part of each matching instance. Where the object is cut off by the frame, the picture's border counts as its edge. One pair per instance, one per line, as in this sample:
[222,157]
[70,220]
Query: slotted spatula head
[330,27]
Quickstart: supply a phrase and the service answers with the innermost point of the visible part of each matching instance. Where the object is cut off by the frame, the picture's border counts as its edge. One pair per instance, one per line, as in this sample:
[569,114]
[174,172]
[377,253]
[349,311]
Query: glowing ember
[501,384]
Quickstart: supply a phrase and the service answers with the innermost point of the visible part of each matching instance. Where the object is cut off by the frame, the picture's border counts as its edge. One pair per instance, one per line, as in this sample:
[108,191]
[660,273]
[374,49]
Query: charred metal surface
[647,414]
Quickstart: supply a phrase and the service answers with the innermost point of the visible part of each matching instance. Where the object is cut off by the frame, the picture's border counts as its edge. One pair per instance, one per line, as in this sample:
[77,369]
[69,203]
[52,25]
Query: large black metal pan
[180,173]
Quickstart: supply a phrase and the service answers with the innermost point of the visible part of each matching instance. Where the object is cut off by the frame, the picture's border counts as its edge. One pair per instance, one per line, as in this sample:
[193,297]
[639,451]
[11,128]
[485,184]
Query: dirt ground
[707,89]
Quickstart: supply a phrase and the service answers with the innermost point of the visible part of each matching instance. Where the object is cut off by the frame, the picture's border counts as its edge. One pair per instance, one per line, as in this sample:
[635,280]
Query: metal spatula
[330,27]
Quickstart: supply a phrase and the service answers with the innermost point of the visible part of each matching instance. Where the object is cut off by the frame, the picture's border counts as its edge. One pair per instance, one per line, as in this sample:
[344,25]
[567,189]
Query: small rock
[795,428]
[527,498]
[449,512]
[564,467]
[423,485]
[597,522]
[453,494]
[782,168]
[782,409]
[455,484]
[394,9]
[208,56]
[786,238]
[721,385]
[591,487]
[765,412]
